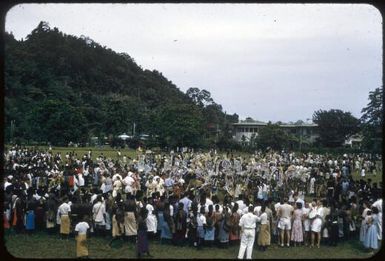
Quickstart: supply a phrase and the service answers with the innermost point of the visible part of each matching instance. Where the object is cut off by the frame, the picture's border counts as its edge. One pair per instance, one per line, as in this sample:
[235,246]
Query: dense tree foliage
[61,88]
[335,126]
[372,121]
[272,136]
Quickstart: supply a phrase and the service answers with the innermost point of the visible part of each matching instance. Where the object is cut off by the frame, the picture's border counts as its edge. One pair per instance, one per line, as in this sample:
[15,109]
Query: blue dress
[166,232]
[160,220]
[371,239]
[30,220]
[209,234]
[223,235]
[165,229]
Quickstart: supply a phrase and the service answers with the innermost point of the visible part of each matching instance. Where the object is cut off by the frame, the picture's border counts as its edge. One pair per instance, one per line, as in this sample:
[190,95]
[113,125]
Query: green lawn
[41,245]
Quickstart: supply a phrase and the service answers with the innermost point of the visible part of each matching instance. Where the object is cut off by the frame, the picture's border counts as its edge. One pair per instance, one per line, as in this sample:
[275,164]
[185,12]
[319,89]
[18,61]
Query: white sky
[268,61]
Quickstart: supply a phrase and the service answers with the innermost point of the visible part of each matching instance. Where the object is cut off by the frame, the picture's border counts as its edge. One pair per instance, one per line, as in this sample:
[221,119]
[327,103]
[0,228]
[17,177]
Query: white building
[306,132]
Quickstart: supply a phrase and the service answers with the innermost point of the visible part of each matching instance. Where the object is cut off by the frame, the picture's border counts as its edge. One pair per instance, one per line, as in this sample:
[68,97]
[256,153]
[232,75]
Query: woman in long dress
[224,228]
[234,232]
[306,223]
[296,231]
[180,225]
[117,220]
[363,222]
[130,225]
[371,239]
[167,228]
[30,214]
[142,243]
[210,227]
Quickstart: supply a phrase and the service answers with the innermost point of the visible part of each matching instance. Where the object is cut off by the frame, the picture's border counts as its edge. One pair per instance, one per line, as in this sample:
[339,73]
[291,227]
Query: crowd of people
[201,199]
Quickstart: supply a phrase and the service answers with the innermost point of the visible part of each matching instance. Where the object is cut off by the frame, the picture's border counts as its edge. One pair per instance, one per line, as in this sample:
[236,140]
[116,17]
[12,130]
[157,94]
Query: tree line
[61,88]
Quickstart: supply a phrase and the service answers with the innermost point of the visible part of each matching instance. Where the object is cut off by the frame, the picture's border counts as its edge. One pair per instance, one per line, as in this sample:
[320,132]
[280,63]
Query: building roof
[285,125]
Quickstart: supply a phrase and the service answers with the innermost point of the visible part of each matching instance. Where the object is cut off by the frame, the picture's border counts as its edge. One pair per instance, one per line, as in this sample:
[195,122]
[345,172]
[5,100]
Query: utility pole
[12,130]
[300,138]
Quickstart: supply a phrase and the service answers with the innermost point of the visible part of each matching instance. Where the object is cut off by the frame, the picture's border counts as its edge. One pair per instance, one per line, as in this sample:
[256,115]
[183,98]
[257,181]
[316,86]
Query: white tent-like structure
[124,136]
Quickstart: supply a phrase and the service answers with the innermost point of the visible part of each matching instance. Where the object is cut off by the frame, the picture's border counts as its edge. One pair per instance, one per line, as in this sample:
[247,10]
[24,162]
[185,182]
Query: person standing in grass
[117,220]
[30,214]
[142,242]
[264,236]
[248,224]
[64,214]
[180,225]
[130,225]
[210,227]
[363,222]
[81,229]
[201,225]
[285,212]
[234,231]
[99,216]
[371,236]
[296,232]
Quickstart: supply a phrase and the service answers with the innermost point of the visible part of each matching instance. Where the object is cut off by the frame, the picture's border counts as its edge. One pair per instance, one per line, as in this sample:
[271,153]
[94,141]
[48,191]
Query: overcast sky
[268,61]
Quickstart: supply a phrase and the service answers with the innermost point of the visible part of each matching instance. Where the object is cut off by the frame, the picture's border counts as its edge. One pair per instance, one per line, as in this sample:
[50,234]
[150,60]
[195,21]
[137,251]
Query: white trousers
[247,242]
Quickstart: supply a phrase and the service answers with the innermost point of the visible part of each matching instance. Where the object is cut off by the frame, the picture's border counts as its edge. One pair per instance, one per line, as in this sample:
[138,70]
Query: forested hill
[61,88]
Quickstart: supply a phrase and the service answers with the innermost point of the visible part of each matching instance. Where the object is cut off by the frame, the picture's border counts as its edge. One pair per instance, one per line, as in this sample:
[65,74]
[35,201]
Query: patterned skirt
[296,231]
[117,228]
[130,225]
[264,235]
[65,224]
[81,245]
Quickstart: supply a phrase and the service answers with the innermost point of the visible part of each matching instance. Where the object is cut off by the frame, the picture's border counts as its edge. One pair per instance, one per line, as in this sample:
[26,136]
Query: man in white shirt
[64,212]
[248,224]
[99,215]
[81,238]
[186,202]
[285,213]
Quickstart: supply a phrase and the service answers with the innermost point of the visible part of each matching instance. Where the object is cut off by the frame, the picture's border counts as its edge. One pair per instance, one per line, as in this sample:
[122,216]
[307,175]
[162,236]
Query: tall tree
[335,126]
[272,136]
[199,97]
[179,125]
[372,121]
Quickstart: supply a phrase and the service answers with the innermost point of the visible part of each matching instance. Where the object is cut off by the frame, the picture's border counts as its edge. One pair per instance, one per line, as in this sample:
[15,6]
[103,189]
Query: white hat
[10,177]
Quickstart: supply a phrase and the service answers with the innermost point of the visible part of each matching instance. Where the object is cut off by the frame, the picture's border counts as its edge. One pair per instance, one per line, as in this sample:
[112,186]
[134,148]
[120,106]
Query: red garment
[71,181]
[14,221]
[5,223]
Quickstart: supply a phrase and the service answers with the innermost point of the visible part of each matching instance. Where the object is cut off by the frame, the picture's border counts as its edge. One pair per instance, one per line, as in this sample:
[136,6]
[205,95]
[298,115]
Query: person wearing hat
[248,224]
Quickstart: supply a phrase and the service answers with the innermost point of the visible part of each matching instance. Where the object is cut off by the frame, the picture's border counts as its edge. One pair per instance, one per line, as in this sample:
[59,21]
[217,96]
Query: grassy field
[41,245]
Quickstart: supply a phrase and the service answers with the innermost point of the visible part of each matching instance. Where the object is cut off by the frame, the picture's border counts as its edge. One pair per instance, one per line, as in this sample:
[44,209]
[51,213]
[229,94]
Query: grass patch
[41,245]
